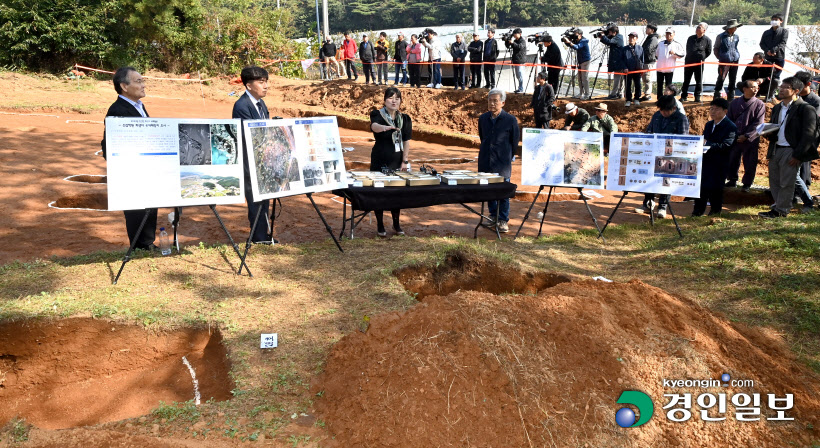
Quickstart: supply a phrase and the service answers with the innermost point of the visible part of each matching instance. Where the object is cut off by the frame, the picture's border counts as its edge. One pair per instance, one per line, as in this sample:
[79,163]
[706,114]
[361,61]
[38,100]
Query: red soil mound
[476,369]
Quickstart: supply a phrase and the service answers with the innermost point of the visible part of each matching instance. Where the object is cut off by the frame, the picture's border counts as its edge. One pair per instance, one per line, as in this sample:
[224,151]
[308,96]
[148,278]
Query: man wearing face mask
[773,44]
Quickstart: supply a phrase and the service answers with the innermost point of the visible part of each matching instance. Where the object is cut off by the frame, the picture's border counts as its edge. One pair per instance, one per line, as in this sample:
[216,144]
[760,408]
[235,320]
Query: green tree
[652,11]
[724,10]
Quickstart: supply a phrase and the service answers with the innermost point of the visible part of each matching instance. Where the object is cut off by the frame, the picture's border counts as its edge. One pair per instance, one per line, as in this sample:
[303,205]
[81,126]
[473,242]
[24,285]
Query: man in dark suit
[250,106]
[793,144]
[499,135]
[542,101]
[719,136]
[130,87]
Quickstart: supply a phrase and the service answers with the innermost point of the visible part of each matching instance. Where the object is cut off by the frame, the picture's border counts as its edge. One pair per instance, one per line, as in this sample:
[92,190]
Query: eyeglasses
[139,81]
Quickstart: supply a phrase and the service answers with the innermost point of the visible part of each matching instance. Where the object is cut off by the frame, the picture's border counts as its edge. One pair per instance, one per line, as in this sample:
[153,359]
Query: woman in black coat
[392,131]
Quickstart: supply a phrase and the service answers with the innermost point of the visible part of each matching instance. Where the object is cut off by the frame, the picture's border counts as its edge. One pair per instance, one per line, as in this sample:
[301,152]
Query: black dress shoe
[771,214]
[151,248]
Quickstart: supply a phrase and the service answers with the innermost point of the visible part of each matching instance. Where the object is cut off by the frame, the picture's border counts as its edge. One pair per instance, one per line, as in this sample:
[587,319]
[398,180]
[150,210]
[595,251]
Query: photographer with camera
[552,58]
[543,98]
[650,58]
[490,55]
[574,38]
[519,55]
[430,42]
[458,50]
[610,36]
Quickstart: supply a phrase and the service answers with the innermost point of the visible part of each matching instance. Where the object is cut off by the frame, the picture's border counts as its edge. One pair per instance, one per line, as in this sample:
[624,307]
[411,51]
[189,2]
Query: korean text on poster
[167,162]
[655,163]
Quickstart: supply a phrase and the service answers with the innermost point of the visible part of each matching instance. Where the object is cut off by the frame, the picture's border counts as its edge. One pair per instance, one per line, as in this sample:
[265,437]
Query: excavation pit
[463,271]
[79,372]
[88,178]
[88,201]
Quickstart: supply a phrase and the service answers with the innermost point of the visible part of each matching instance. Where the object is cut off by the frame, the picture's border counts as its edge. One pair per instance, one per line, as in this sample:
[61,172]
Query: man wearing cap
[577,119]
[615,63]
[476,50]
[668,53]
[727,53]
[519,57]
[773,43]
[633,57]
[650,58]
[603,122]
[400,56]
[431,44]
[499,135]
[490,56]
[458,50]
[542,98]
[698,48]
[719,136]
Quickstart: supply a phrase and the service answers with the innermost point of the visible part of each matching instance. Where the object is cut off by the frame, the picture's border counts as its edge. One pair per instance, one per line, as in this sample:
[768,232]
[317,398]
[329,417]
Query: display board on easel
[169,162]
[655,163]
[562,158]
[294,156]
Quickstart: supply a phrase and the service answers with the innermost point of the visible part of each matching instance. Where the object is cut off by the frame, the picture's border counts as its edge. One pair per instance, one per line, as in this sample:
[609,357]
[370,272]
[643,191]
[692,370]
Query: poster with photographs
[294,156]
[167,162]
[562,158]
[655,163]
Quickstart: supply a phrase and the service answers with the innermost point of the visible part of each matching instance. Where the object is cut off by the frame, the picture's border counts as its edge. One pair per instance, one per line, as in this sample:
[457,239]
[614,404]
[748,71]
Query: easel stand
[651,215]
[546,206]
[175,223]
[273,220]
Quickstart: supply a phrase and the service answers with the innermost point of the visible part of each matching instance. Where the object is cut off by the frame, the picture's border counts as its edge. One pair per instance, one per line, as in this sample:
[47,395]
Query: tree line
[222,36]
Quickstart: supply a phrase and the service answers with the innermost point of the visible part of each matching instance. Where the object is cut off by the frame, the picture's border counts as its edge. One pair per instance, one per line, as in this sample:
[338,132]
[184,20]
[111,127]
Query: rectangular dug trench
[78,372]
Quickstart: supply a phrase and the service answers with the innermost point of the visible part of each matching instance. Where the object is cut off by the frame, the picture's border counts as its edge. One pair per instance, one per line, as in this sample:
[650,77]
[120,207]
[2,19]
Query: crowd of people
[635,67]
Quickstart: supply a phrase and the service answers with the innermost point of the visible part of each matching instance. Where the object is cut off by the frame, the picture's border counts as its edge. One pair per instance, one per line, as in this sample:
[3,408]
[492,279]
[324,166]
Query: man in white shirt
[668,52]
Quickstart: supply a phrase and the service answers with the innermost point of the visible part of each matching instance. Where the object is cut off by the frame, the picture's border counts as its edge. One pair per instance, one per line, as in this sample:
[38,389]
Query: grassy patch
[762,273]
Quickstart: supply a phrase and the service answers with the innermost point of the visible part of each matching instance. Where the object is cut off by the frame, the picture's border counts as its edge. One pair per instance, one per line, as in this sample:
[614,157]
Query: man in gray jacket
[431,44]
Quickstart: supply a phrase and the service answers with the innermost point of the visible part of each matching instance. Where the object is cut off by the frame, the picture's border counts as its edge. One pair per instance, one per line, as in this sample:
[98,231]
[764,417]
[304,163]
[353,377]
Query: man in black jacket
[698,48]
[719,136]
[762,74]
[490,55]
[476,50]
[793,144]
[650,59]
[542,99]
[773,44]
[329,54]
[130,86]
[400,56]
[367,53]
[518,45]
[250,106]
[552,58]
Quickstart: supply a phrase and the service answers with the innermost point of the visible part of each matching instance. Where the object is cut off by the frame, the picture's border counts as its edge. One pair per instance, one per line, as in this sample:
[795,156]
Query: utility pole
[325,21]
[692,19]
[786,15]
[485,14]
[475,16]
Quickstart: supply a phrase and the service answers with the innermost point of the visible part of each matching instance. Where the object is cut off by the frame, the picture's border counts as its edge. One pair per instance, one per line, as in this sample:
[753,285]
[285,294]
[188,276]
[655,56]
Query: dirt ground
[51,130]
[487,370]
[468,366]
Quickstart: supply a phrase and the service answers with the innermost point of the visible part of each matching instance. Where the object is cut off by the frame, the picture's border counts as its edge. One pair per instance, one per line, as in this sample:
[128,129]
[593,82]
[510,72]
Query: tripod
[572,61]
[535,60]
[604,55]
[498,75]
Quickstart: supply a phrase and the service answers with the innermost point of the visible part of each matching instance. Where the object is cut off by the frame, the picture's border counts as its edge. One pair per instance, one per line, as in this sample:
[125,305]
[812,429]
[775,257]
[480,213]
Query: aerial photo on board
[582,163]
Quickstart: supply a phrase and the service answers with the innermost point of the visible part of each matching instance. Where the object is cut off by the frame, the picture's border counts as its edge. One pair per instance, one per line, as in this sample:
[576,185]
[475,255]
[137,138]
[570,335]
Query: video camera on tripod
[598,32]
[508,35]
[539,38]
[571,36]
